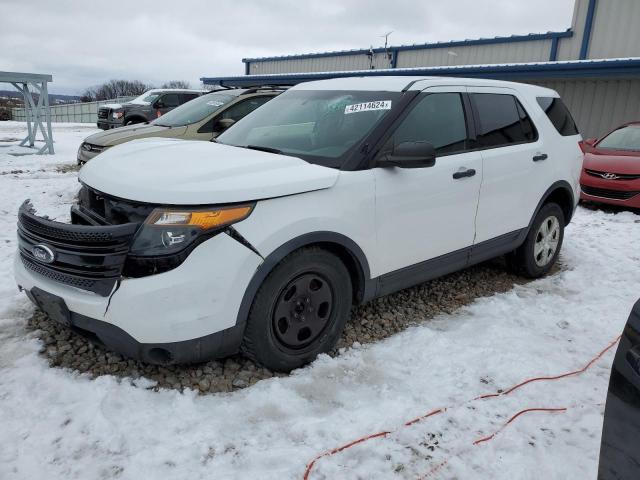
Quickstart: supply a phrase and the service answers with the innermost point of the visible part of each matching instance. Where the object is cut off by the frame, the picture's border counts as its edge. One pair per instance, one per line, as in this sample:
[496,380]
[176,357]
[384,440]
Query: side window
[244,108]
[503,120]
[186,97]
[170,100]
[559,115]
[439,119]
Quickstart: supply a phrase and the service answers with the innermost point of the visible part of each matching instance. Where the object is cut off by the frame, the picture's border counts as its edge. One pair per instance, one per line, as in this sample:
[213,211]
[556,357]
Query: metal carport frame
[34,112]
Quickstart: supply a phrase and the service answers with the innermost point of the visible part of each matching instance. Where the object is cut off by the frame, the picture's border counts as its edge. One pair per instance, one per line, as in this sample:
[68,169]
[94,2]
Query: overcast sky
[83,43]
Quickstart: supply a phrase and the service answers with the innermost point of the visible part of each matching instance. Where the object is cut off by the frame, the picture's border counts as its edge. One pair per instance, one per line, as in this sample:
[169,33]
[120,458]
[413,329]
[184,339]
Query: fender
[356,253]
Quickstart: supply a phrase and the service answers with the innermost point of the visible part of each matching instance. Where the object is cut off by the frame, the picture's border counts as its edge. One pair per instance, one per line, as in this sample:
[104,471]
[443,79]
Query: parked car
[619,450]
[333,193]
[148,106]
[203,118]
[611,170]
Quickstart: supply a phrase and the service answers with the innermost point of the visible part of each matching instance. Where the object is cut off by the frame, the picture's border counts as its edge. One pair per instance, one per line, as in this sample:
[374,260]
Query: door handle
[539,157]
[470,172]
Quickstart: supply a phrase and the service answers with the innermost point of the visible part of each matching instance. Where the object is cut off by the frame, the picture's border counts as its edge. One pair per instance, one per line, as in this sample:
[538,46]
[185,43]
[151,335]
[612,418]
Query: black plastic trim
[368,287]
[421,272]
[448,263]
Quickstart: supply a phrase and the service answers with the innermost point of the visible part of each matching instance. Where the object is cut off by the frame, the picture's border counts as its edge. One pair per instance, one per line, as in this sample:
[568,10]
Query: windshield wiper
[263,149]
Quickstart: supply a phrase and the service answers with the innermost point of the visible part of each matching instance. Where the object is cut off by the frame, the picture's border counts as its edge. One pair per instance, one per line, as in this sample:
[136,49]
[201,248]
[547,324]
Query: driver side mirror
[410,155]
[223,124]
[158,104]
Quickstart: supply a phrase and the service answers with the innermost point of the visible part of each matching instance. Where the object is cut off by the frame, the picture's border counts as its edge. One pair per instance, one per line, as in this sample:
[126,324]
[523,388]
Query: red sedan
[611,168]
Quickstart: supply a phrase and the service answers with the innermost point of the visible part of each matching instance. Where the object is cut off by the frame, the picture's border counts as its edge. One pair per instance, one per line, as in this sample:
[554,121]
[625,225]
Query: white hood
[181,172]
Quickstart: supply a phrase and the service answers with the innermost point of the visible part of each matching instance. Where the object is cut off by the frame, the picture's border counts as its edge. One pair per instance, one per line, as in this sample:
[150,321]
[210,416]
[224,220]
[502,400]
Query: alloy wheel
[547,239]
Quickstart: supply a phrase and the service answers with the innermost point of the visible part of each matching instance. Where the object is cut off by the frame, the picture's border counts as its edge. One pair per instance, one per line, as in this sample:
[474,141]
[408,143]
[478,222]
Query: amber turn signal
[204,219]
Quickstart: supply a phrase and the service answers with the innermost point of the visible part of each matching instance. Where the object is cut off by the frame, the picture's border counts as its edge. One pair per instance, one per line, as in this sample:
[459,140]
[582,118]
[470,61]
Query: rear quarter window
[559,115]
[502,120]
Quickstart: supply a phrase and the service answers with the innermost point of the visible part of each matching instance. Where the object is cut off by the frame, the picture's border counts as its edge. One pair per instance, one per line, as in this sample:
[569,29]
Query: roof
[421,46]
[401,83]
[503,71]
[177,90]
[19,77]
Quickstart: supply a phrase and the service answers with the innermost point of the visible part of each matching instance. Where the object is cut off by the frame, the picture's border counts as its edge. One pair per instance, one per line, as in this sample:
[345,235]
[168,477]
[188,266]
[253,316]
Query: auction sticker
[368,106]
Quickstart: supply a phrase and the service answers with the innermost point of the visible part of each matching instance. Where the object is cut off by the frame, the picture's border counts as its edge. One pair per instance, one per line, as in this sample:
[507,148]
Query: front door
[425,213]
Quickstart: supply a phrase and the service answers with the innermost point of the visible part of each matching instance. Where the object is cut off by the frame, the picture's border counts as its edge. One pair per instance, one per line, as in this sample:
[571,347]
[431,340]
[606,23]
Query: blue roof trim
[553,54]
[569,69]
[586,33]
[421,46]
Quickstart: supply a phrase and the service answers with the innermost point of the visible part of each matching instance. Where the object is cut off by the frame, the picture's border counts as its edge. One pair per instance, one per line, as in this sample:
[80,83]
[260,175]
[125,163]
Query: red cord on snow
[556,377]
[521,412]
[307,472]
[383,434]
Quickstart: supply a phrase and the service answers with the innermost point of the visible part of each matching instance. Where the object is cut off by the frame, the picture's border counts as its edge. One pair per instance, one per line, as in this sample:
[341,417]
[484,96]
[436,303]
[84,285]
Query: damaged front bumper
[187,314]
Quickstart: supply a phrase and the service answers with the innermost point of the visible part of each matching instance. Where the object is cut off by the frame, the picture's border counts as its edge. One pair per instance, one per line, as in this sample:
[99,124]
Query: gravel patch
[369,323]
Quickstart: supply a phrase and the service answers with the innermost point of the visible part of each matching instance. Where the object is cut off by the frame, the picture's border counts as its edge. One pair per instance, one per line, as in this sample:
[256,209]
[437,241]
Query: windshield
[319,126]
[194,111]
[625,138]
[146,97]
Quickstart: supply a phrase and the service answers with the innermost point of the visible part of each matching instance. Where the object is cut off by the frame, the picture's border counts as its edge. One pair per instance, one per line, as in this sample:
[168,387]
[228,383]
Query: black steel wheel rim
[302,310]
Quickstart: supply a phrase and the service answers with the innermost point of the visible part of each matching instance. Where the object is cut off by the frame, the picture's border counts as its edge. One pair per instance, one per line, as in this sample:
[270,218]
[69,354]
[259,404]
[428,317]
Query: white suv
[334,193]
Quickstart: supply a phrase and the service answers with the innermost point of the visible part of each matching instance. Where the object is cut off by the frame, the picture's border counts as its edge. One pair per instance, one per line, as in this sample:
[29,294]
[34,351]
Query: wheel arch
[342,246]
[562,194]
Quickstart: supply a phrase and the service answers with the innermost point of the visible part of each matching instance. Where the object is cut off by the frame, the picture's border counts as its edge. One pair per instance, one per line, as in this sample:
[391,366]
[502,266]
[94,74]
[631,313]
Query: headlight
[117,115]
[92,148]
[168,231]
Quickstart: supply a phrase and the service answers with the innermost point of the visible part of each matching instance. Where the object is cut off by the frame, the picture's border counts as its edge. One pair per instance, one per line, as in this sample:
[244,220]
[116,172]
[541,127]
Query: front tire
[540,250]
[299,311]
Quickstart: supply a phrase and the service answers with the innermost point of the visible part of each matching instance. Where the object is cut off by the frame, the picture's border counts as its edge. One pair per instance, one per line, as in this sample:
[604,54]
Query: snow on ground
[58,424]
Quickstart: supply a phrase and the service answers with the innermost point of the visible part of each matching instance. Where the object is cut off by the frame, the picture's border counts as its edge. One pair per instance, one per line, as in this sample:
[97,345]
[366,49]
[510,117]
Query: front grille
[606,193]
[103,113]
[620,176]
[89,257]
[83,283]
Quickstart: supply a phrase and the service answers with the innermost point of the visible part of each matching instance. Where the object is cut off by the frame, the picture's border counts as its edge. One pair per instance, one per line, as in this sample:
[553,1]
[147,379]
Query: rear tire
[299,311]
[540,250]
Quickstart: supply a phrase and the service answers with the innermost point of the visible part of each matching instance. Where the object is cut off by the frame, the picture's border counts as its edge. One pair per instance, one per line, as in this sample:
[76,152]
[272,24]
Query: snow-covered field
[57,424]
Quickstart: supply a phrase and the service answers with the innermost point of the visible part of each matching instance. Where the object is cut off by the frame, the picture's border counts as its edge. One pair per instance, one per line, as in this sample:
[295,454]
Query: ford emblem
[43,253]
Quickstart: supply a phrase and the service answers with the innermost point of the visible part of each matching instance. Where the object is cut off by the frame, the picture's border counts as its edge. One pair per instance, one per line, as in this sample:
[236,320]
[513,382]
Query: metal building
[601,94]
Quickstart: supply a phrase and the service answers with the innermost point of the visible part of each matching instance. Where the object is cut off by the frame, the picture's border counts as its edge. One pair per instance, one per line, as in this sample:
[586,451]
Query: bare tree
[176,84]
[116,88]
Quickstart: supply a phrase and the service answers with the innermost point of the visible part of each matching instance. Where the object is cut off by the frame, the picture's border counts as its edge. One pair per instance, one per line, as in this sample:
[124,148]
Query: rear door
[424,213]
[167,102]
[513,159]
[187,97]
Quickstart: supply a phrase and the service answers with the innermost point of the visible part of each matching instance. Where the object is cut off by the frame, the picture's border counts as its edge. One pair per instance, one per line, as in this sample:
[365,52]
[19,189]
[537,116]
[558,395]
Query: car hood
[182,172]
[116,136]
[612,161]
